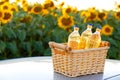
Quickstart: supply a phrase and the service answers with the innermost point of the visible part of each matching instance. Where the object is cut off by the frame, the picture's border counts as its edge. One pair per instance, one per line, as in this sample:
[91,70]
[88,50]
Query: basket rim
[85,50]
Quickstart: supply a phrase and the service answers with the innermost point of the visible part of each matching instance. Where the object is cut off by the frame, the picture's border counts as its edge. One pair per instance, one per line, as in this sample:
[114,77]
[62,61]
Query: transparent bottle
[85,36]
[95,40]
[74,39]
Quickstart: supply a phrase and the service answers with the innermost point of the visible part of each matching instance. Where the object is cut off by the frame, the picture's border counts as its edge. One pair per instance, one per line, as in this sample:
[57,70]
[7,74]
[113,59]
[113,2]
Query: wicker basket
[73,63]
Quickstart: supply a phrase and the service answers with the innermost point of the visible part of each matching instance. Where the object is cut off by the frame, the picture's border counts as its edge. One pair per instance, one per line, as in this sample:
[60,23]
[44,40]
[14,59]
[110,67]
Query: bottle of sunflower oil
[95,40]
[74,39]
[85,36]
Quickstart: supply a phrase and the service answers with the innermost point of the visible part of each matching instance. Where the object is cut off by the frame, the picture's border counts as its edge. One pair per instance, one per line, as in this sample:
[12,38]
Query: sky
[100,4]
[85,4]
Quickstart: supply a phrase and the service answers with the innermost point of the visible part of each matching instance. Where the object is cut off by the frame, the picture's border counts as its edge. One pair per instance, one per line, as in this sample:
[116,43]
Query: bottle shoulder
[74,34]
[86,33]
[95,37]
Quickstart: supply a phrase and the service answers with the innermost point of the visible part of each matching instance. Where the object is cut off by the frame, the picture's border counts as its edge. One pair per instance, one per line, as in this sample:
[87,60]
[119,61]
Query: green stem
[0,26]
[5,55]
[30,53]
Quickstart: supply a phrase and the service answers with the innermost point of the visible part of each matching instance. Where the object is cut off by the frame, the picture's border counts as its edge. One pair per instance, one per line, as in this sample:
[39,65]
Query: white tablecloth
[41,68]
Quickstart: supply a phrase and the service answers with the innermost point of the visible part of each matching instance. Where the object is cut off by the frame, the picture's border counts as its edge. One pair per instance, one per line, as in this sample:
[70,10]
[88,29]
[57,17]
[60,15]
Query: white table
[40,68]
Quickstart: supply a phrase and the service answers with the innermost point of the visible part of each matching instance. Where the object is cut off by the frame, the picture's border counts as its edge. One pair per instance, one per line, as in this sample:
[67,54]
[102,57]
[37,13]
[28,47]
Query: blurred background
[26,26]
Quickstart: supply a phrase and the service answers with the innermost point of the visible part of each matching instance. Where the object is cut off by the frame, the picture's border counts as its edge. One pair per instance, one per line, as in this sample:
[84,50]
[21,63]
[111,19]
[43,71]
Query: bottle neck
[89,27]
[76,29]
[98,31]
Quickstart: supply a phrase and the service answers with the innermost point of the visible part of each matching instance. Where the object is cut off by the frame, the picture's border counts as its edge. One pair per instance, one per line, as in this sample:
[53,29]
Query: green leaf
[12,47]
[28,47]
[39,32]
[1,34]
[37,46]
[10,33]
[59,35]
[47,52]
[113,42]
[21,35]
[2,46]
[112,53]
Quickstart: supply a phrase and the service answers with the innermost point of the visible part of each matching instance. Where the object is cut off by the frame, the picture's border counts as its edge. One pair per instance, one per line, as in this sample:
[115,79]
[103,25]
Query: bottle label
[74,37]
[74,45]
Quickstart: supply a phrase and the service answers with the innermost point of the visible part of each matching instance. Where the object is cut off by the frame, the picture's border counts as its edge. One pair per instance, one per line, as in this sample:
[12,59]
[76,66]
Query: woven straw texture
[73,63]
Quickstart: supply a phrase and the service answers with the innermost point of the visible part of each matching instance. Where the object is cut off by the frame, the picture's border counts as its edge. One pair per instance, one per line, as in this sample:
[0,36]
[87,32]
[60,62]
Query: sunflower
[89,15]
[93,16]
[1,15]
[75,10]
[67,10]
[5,6]
[6,0]
[102,15]
[45,12]
[117,15]
[61,5]
[24,2]
[84,14]
[42,26]
[18,1]
[93,9]
[26,19]
[65,21]
[25,7]
[14,8]
[2,2]
[52,5]
[36,9]
[7,16]
[54,14]
[48,4]
[107,30]
[117,7]
[28,8]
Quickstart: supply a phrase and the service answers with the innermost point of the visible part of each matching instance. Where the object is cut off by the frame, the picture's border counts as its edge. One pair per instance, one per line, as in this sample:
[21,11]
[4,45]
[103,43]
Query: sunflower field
[26,28]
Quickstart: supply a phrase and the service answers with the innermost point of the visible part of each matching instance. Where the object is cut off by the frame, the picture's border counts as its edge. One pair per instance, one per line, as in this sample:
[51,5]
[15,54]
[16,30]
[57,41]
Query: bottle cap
[99,30]
[99,27]
[76,28]
[90,24]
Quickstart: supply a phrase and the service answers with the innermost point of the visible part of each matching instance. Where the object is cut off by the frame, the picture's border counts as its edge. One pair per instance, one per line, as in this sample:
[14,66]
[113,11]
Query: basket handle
[59,46]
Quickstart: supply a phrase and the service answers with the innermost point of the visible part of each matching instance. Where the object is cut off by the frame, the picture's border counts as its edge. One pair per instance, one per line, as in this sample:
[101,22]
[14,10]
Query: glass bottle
[74,39]
[95,40]
[85,36]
